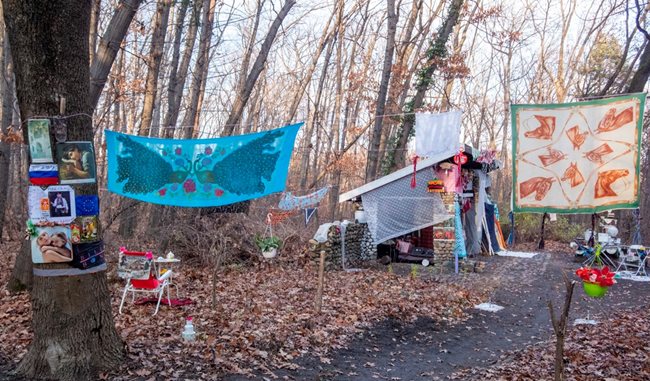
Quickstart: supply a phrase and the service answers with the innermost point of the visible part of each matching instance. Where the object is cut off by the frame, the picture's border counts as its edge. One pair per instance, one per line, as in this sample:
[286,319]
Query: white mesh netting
[396,209]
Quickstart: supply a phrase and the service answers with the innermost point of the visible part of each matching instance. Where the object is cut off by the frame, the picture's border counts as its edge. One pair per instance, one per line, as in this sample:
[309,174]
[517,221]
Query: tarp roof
[406,171]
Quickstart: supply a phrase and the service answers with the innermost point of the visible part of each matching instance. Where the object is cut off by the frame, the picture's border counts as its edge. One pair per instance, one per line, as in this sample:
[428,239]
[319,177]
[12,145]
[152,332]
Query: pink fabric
[403,246]
[449,178]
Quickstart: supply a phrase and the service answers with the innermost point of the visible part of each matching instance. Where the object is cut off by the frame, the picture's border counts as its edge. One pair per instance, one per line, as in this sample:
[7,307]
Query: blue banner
[199,172]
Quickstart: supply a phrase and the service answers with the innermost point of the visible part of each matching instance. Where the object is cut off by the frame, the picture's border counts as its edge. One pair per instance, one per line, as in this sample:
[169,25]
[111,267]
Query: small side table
[159,262]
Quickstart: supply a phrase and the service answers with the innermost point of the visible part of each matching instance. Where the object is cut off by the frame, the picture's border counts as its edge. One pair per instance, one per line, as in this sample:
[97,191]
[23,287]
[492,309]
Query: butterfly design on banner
[200,172]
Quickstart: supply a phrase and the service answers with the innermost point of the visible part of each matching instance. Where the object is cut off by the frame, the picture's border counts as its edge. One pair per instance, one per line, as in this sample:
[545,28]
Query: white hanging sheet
[437,134]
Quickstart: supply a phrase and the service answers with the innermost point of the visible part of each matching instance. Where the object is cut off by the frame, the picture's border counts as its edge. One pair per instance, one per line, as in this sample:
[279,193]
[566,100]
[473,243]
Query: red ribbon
[415,164]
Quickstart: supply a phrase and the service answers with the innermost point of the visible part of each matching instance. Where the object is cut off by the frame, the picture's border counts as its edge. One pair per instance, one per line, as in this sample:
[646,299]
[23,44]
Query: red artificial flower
[189,186]
[218,192]
[208,150]
[178,151]
[602,277]
[162,191]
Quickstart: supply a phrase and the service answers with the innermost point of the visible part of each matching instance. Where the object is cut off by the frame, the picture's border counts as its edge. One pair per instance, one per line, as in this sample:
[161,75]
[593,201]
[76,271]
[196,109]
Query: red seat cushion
[149,284]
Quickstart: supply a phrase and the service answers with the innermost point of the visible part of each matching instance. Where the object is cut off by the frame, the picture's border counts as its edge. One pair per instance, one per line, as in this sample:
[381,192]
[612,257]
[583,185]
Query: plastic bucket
[594,290]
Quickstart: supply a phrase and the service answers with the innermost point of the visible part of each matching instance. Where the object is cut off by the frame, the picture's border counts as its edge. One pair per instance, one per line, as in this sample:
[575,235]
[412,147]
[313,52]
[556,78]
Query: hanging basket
[594,289]
[271,253]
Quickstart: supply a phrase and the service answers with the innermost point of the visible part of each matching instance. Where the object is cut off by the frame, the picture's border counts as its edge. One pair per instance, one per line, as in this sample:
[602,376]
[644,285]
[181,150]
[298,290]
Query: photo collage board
[63,224]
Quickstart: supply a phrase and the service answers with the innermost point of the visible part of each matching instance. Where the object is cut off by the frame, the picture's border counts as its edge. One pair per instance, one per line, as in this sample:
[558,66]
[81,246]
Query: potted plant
[596,281]
[268,245]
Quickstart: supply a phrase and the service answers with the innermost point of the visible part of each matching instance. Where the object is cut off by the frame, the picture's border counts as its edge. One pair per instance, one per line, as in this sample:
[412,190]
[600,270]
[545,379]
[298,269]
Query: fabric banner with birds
[199,172]
[581,157]
[289,201]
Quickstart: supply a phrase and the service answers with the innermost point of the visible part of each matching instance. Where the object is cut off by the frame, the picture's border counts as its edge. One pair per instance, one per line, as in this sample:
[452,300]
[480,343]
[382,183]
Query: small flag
[44,174]
[309,213]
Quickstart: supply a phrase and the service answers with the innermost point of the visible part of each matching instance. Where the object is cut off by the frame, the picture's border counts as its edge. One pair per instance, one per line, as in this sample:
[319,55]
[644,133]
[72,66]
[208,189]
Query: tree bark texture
[74,331]
[109,46]
[258,65]
[373,150]
[94,25]
[153,64]
[167,130]
[207,19]
[7,91]
[437,51]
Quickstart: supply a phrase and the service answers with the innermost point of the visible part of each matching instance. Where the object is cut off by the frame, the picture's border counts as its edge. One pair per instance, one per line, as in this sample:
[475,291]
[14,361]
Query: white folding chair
[633,261]
[138,268]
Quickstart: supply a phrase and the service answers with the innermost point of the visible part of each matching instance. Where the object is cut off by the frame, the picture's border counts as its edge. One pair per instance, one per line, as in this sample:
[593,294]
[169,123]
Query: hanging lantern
[460,158]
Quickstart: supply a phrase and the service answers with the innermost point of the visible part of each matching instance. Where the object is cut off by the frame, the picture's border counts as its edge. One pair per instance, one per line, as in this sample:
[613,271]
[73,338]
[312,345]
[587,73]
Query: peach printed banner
[581,157]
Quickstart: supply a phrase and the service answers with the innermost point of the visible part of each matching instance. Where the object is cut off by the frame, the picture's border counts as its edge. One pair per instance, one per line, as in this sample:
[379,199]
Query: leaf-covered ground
[263,319]
[618,348]
[374,325]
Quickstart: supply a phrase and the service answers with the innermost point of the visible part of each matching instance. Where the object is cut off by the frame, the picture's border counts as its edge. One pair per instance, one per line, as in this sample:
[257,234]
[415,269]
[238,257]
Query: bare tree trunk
[373,150]
[199,69]
[6,86]
[250,45]
[178,76]
[72,321]
[437,51]
[244,94]
[94,23]
[308,147]
[324,39]
[153,63]
[109,46]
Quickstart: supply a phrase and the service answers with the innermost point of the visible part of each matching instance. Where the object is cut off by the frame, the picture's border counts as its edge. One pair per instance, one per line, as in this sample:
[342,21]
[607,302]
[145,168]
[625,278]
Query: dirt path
[428,350]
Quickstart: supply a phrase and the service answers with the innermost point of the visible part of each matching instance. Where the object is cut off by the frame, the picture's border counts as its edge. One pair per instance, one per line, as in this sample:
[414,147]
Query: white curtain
[437,134]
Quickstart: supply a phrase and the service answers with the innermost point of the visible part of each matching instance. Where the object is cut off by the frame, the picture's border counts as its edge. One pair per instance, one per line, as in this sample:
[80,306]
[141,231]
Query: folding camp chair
[633,260]
[138,268]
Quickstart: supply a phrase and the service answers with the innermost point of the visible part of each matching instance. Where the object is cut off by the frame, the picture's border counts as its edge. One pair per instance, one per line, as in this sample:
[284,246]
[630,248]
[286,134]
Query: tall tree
[245,92]
[109,46]
[153,63]
[7,92]
[178,75]
[72,321]
[640,78]
[373,149]
[436,52]
[200,68]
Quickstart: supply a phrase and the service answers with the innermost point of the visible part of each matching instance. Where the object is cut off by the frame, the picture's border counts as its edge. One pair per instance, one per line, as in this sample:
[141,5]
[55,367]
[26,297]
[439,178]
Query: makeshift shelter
[394,209]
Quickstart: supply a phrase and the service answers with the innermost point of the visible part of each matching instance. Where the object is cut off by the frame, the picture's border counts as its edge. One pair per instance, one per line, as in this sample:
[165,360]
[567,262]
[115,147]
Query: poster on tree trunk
[51,244]
[53,204]
[581,157]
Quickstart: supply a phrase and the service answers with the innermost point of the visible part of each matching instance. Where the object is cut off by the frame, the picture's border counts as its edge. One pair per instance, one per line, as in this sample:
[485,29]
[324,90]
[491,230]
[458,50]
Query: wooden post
[560,328]
[321,276]
[541,240]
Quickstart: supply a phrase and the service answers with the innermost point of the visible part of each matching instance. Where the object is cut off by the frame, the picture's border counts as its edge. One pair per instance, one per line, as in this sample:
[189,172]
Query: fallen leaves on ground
[617,348]
[264,318]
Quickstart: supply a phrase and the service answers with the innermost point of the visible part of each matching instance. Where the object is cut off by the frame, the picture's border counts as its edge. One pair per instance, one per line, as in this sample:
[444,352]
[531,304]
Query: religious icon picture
[85,229]
[38,133]
[51,245]
[76,162]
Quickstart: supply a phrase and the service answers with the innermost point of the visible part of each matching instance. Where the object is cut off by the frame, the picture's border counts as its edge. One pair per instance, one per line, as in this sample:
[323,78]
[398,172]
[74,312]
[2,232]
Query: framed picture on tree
[76,162]
[40,147]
